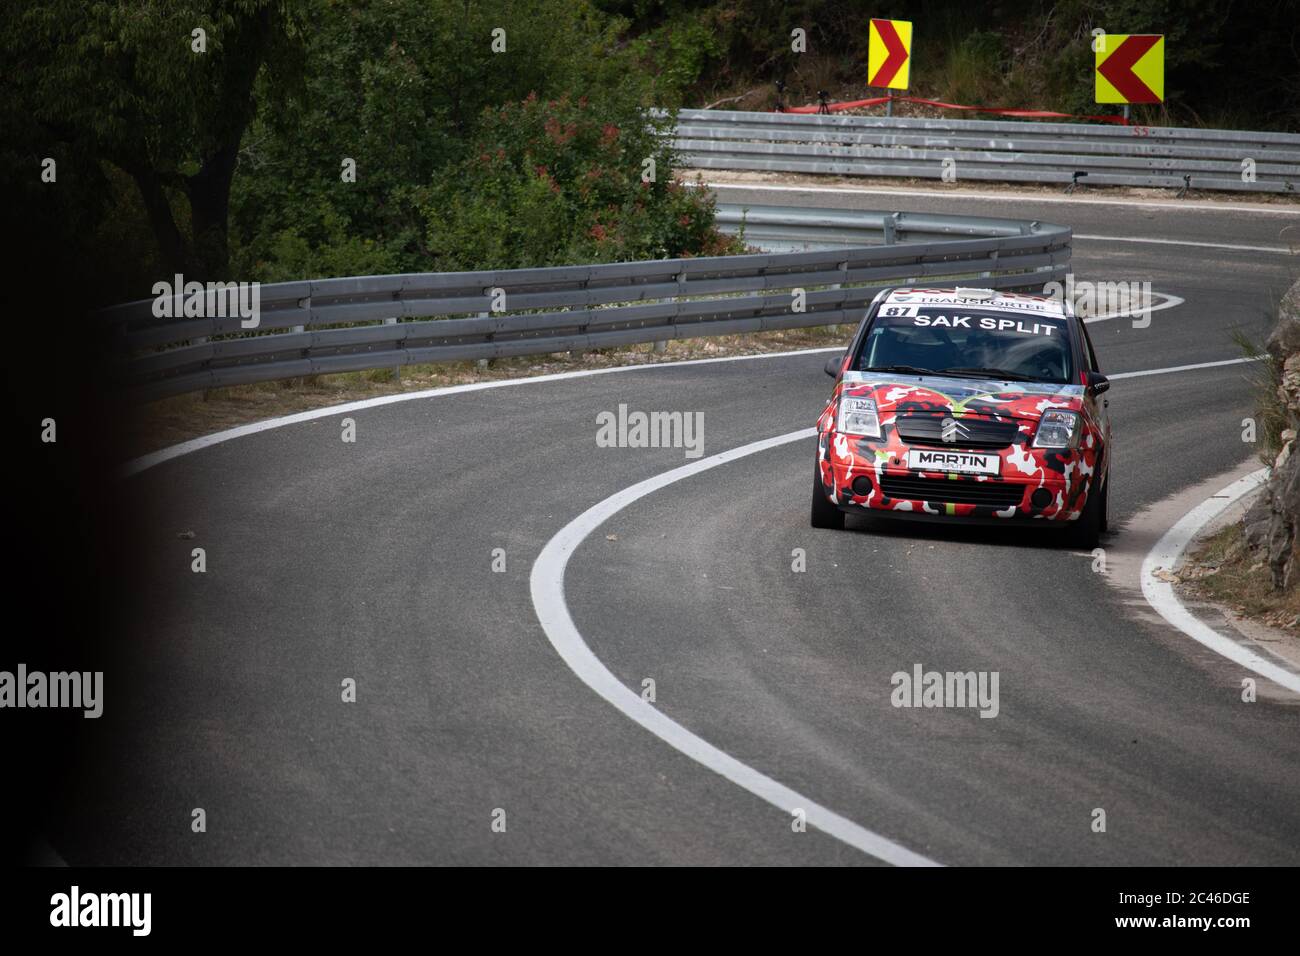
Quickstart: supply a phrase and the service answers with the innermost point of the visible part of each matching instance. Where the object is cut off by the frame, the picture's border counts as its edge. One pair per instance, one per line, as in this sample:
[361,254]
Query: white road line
[144,462]
[1161,596]
[1171,206]
[1170,301]
[547,582]
[1280,250]
[547,585]
[1181,368]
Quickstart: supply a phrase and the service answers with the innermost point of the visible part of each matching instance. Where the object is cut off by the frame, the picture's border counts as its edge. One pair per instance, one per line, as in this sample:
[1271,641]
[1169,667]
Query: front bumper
[1034,485]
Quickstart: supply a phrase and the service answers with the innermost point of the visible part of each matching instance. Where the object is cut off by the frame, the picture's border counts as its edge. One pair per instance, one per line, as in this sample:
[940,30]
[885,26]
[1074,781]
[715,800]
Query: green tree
[125,83]
[406,89]
[552,182]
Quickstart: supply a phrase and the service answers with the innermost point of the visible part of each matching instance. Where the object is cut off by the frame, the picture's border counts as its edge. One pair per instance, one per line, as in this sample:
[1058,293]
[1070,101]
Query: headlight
[1057,429]
[858,417]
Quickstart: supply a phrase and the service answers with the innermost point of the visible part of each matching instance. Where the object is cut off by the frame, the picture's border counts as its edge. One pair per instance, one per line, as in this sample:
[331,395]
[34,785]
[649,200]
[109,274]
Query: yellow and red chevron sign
[889,54]
[1130,68]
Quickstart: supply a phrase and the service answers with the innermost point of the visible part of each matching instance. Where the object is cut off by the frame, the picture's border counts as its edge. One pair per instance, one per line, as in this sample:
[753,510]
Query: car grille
[971,432]
[957,491]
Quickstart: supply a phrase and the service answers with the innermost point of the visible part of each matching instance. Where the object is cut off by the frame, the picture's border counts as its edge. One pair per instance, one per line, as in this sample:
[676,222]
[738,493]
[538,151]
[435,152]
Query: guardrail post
[890,228]
[304,303]
[661,345]
[585,285]
[994,256]
[207,363]
[484,363]
[397,369]
[843,269]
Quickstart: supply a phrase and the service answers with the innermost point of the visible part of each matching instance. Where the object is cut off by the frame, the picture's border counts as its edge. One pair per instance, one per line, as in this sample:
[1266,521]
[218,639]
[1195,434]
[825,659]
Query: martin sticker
[952,462]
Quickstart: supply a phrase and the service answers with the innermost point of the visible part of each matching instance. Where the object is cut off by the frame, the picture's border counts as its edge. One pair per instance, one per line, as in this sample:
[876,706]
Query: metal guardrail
[802,229]
[987,150]
[352,324]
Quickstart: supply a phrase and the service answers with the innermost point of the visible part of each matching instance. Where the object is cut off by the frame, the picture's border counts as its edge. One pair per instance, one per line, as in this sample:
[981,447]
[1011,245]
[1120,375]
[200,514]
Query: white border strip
[547,586]
[1161,596]
[1279,250]
[1184,368]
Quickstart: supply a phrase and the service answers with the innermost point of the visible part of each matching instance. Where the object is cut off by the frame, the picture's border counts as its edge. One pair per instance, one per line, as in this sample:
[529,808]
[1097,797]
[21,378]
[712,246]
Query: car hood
[896,393]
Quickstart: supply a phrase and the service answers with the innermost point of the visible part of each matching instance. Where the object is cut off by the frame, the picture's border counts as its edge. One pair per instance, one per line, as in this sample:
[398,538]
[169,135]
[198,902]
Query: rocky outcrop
[1273,520]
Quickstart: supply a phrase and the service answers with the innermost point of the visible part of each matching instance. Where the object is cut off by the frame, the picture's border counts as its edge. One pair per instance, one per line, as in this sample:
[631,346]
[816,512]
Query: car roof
[990,299]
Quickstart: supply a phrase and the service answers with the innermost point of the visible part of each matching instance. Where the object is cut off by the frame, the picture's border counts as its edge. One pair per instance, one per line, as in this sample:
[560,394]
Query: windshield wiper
[903,369]
[998,373]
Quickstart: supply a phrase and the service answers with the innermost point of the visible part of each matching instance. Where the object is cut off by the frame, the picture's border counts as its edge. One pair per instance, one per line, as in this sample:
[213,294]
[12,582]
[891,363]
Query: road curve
[373,561]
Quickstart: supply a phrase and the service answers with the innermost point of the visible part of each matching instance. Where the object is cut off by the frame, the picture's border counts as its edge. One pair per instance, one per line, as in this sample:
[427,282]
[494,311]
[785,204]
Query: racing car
[967,405]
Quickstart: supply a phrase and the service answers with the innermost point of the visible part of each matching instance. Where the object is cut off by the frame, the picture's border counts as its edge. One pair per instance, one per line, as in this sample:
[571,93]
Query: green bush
[465,158]
[974,69]
[550,182]
[288,255]
[679,55]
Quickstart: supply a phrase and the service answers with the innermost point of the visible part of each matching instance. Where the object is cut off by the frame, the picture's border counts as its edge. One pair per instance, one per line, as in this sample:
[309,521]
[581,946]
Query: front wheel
[1104,524]
[824,514]
[1085,533]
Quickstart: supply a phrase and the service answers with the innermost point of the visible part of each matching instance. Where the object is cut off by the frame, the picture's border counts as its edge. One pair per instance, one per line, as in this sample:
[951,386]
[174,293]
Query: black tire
[824,514]
[1085,533]
[1104,524]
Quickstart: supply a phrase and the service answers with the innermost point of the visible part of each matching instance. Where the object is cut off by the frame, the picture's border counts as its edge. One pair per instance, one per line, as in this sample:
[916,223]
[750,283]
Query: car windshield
[967,343]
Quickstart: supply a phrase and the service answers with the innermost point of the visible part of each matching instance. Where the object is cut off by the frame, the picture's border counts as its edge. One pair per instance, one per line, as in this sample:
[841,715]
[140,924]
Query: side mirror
[1098,383]
[833,365]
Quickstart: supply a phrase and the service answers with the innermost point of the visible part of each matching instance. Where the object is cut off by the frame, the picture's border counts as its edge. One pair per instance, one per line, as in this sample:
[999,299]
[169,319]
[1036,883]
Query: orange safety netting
[1000,111]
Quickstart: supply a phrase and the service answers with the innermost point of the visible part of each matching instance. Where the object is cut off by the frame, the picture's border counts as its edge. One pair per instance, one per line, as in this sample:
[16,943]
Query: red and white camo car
[966,405]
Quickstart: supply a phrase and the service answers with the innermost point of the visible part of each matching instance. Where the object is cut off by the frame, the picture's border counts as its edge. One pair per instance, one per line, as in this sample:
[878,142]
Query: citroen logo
[951,429]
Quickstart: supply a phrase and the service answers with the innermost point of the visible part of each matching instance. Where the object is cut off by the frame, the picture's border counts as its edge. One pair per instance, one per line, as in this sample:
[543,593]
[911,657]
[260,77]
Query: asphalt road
[373,561]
